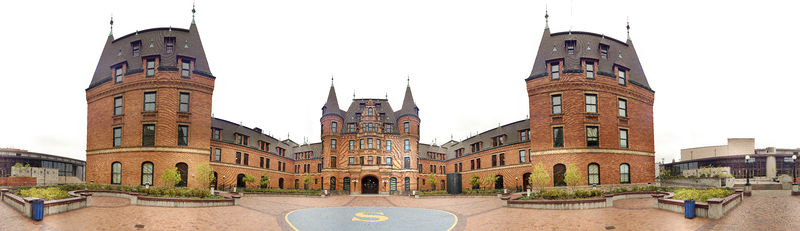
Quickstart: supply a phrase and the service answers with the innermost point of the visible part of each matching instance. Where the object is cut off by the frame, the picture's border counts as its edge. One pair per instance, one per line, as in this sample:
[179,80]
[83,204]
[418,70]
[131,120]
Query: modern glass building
[65,166]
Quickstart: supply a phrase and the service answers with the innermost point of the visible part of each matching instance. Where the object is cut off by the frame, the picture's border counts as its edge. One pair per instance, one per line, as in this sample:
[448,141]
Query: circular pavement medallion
[370,218]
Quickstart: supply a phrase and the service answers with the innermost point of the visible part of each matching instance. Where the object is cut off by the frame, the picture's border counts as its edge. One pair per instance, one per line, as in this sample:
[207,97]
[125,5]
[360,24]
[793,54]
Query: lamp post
[794,168]
[747,169]
[516,185]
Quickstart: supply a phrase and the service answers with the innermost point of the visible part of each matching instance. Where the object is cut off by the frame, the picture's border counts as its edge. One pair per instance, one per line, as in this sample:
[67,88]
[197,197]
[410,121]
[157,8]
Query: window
[559,170]
[148,134]
[604,51]
[183,104]
[406,145]
[150,101]
[215,133]
[351,161]
[352,145]
[185,68]
[378,144]
[238,158]
[558,137]
[333,145]
[407,162]
[555,100]
[524,134]
[623,138]
[116,173]
[370,112]
[591,103]
[476,147]
[267,165]
[594,174]
[169,44]
[621,76]
[570,47]
[351,127]
[472,164]
[117,137]
[118,74]
[261,162]
[498,140]
[623,107]
[405,127]
[334,127]
[502,157]
[264,146]
[118,105]
[592,138]
[554,71]
[151,67]
[333,162]
[388,145]
[147,173]
[494,160]
[241,139]
[589,70]
[361,160]
[624,174]
[369,143]
[388,161]
[183,135]
[522,155]
[135,46]
[361,144]
[218,155]
[369,160]
[388,128]
[369,127]
[478,163]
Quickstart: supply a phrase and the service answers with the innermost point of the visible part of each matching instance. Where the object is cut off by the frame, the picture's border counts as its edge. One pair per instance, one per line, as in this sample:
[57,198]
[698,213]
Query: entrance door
[240,181]
[346,184]
[183,170]
[214,182]
[407,186]
[526,181]
[369,185]
[558,175]
[498,184]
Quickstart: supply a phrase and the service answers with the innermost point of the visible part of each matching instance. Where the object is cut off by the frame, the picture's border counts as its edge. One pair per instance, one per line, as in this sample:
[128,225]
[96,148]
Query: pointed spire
[331,81]
[111,32]
[408,80]
[546,20]
[193,12]
[409,106]
[332,104]
[628,26]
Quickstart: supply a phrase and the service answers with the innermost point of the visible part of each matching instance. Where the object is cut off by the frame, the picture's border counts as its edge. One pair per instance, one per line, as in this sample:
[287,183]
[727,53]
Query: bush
[583,193]
[481,191]
[724,175]
[277,190]
[51,193]
[700,195]
[437,192]
[556,194]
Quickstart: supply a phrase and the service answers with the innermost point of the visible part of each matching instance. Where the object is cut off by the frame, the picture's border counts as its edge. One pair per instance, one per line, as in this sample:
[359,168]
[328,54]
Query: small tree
[475,181]
[264,181]
[248,179]
[490,180]
[573,176]
[431,179]
[170,177]
[307,181]
[539,178]
[205,174]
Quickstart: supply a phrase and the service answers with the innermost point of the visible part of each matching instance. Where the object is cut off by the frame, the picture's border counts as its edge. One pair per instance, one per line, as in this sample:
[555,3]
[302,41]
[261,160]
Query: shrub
[248,178]
[481,191]
[50,193]
[277,190]
[475,181]
[264,181]
[596,192]
[539,178]
[437,192]
[700,195]
[572,176]
[205,174]
[724,175]
[583,193]
[170,177]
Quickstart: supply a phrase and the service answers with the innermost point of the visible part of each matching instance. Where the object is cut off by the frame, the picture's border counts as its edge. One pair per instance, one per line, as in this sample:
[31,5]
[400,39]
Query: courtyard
[759,212]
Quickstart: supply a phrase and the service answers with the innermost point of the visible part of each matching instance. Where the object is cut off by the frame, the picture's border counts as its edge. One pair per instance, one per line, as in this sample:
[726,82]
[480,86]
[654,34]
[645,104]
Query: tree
[475,181]
[248,179]
[573,175]
[171,177]
[307,181]
[490,180]
[539,178]
[205,174]
[264,181]
[431,179]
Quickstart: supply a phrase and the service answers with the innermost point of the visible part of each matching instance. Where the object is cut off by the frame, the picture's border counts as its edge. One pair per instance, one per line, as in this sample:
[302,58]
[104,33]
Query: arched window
[147,173]
[393,184]
[240,181]
[526,183]
[498,184]
[116,173]
[280,183]
[183,169]
[333,183]
[558,175]
[594,174]
[346,184]
[624,173]
[213,183]
[407,186]
[296,183]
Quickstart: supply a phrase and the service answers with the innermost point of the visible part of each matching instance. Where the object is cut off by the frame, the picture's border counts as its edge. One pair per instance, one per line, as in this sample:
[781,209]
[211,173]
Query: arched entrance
[369,185]
[183,169]
[498,184]
[526,184]
[558,175]
[280,183]
[214,182]
[240,181]
[407,186]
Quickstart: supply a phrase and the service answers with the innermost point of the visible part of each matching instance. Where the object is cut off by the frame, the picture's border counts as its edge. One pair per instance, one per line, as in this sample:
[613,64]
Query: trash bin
[688,205]
[37,209]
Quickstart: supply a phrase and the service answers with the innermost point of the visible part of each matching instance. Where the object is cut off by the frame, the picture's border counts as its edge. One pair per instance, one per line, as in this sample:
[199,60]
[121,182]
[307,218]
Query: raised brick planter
[23,205]
[138,199]
[714,208]
[606,201]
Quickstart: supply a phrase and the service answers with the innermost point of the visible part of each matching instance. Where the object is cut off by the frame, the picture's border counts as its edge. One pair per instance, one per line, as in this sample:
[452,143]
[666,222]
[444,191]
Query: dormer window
[621,76]
[378,106]
[570,47]
[135,46]
[589,70]
[361,106]
[382,116]
[169,44]
[185,67]
[358,116]
[370,112]
[118,74]
[151,67]
[554,71]
[604,51]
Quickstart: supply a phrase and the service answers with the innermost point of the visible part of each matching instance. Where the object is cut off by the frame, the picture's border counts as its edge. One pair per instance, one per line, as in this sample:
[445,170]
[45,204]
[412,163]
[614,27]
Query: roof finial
[193,12]
[408,80]
[546,20]
[386,96]
[354,94]
[628,26]
[331,80]
[111,32]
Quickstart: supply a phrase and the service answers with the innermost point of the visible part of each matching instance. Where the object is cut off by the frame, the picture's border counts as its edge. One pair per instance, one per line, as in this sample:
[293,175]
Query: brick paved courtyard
[761,212]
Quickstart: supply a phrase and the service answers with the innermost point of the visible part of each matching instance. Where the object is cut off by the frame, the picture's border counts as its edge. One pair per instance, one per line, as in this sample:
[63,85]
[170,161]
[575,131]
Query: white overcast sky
[720,69]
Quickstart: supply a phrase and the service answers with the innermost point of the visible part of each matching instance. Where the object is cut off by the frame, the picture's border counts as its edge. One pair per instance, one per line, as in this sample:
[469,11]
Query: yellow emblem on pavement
[374,218]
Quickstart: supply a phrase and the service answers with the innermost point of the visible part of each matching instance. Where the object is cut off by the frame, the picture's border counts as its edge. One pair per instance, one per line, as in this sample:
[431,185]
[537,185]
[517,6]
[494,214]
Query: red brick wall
[18,181]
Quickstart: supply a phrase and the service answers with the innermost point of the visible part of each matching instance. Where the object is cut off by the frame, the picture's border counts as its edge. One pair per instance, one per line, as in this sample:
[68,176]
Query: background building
[766,162]
[66,170]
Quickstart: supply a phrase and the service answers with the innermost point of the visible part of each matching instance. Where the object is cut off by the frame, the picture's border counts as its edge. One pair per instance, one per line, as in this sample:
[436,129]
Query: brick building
[149,109]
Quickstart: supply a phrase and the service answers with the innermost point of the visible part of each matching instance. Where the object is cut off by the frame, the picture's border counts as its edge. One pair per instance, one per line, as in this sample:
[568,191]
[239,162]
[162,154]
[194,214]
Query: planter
[714,208]
[606,201]
[137,199]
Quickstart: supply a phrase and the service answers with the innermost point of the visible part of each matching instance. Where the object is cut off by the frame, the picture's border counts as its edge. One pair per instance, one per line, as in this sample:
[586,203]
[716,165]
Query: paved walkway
[268,213]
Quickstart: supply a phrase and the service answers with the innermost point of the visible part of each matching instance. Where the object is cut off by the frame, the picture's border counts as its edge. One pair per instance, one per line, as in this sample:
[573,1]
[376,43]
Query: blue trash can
[37,209]
[688,205]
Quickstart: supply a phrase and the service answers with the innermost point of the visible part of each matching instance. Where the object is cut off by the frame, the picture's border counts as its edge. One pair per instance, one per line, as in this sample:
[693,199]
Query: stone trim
[148,149]
[262,169]
[592,150]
